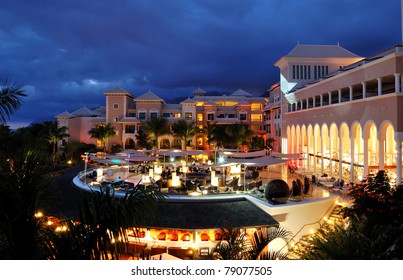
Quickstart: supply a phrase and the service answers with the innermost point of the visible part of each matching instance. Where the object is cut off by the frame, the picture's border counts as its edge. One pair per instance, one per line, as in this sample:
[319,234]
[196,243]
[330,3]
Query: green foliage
[232,247]
[23,181]
[374,229]
[376,200]
[156,128]
[143,141]
[100,232]
[102,133]
[260,243]
[10,99]
[229,136]
[185,130]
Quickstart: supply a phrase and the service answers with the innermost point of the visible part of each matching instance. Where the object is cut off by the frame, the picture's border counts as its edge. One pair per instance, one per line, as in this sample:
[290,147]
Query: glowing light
[38,214]
[312,231]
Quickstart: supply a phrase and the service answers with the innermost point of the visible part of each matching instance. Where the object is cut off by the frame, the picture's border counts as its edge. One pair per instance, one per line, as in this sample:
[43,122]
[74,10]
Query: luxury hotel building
[338,110]
[128,113]
[343,112]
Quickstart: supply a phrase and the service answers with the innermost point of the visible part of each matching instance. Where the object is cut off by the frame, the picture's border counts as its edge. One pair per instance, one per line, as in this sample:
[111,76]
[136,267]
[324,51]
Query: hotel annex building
[340,111]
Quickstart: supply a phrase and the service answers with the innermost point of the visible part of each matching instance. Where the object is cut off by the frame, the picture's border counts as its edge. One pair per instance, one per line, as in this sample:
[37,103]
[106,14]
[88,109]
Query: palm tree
[184,130]
[10,99]
[102,133]
[101,230]
[156,128]
[54,135]
[238,133]
[209,132]
[23,184]
[143,141]
[260,243]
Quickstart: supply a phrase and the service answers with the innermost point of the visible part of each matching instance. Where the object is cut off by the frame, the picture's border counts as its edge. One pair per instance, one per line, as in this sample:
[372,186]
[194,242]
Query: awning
[287,156]
[244,155]
[210,214]
[140,158]
[258,162]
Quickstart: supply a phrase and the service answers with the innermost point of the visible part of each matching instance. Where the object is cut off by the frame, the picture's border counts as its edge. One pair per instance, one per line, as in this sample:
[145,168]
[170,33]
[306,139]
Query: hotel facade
[128,114]
[341,112]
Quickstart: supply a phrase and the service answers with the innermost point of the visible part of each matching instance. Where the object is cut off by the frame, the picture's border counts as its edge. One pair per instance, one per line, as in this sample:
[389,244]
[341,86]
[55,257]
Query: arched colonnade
[348,151]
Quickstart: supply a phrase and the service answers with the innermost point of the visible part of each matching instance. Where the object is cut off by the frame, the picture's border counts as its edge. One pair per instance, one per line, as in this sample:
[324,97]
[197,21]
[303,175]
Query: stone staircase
[295,252]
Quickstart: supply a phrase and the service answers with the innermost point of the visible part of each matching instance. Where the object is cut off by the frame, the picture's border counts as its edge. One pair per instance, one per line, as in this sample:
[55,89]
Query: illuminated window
[256,106]
[256,117]
[200,117]
[200,141]
[188,115]
[177,115]
[115,119]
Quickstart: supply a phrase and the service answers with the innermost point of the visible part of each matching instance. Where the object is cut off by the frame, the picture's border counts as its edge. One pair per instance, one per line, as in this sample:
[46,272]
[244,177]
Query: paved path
[65,198]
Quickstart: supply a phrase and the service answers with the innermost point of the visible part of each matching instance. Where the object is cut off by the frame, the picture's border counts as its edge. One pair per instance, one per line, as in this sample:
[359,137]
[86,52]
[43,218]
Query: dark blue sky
[66,53]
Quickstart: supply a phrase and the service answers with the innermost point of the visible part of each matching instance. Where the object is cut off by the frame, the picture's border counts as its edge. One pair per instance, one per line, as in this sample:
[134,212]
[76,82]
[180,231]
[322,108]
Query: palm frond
[10,99]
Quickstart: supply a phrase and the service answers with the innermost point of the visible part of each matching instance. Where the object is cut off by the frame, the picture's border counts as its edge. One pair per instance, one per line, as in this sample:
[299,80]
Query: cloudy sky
[66,53]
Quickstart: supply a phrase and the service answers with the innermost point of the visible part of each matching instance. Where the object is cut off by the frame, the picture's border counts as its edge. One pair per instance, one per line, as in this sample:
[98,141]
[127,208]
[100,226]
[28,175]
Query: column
[302,104]
[322,150]
[351,92]
[340,157]
[339,91]
[331,155]
[307,103]
[313,101]
[321,100]
[366,137]
[315,145]
[352,150]
[397,82]
[364,90]
[308,148]
[379,86]
[399,139]
[381,149]
[330,97]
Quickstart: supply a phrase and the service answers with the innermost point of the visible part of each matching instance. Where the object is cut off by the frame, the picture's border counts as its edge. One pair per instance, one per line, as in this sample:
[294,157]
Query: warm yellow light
[194,193]
[312,231]
[39,214]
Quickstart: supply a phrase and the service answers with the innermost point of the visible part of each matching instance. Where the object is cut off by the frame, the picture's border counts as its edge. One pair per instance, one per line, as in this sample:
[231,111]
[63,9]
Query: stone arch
[371,146]
[357,143]
[165,143]
[387,154]
[130,143]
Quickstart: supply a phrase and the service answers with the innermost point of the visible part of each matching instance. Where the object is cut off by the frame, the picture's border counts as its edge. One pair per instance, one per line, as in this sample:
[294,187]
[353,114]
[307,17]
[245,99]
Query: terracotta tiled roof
[149,96]
[320,51]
